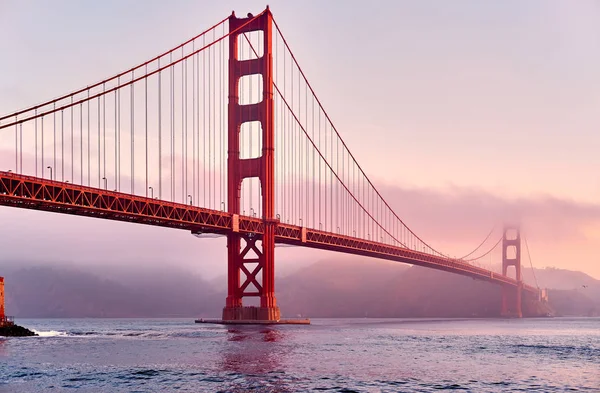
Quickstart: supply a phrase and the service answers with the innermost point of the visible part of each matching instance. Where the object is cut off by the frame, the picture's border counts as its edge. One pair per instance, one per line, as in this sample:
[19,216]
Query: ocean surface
[331,355]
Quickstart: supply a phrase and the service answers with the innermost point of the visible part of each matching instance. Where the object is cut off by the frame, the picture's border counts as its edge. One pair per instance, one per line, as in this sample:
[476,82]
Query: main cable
[530,262]
[480,244]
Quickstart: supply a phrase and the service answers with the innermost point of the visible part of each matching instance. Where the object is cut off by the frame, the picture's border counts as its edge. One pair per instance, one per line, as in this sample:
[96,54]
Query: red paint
[262,167]
[508,261]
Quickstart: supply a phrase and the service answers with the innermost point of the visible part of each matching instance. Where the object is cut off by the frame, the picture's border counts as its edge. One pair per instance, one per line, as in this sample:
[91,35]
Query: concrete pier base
[251,315]
[255,322]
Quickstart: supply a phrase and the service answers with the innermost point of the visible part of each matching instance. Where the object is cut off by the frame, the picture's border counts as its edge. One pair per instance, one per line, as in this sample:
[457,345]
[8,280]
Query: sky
[463,113]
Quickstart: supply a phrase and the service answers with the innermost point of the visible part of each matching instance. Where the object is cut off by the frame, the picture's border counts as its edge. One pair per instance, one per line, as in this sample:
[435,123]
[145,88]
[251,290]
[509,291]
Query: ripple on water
[154,356]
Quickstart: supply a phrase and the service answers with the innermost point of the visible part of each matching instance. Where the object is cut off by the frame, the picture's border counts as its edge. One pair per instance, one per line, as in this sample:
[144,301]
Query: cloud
[458,213]
[560,232]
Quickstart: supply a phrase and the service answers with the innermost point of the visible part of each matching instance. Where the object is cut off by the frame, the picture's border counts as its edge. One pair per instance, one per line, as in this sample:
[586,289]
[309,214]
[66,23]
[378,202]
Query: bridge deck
[48,195]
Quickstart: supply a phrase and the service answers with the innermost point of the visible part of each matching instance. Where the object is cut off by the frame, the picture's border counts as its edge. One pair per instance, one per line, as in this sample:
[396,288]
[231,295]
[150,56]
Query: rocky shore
[15,331]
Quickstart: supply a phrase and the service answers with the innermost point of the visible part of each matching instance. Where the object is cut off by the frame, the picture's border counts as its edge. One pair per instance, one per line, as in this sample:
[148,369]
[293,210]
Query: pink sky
[463,113]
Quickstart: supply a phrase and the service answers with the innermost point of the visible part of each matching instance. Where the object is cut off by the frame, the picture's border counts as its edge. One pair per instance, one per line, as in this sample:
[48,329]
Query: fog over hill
[344,286]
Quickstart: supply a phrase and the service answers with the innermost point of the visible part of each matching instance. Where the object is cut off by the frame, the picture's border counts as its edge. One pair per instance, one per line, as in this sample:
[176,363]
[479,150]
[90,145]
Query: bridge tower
[511,256]
[247,253]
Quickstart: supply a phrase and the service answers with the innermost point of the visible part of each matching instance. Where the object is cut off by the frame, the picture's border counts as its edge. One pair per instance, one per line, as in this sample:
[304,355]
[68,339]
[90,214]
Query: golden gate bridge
[223,134]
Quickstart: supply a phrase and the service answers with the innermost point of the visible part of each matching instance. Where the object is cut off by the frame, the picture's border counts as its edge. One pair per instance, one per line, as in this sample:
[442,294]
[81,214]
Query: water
[351,355]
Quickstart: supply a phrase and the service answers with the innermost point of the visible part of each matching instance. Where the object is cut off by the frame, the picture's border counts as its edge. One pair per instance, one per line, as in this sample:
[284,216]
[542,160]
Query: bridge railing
[7,321]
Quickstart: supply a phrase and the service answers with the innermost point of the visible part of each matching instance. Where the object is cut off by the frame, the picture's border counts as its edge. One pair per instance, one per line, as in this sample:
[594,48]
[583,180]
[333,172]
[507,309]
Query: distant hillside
[566,280]
[573,303]
[62,292]
[349,287]
[341,287]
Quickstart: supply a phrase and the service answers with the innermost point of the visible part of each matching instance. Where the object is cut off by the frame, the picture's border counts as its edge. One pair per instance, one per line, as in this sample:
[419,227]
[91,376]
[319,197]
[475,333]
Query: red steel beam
[28,192]
[290,234]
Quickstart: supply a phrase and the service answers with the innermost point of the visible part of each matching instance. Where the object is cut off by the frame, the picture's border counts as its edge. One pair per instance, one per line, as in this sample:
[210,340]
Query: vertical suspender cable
[72,149]
[204,122]
[223,118]
[118,174]
[81,143]
[17,146]
[285,134]
[21,147]
[62,144]
[197,132]
[320,185]
[98,117]
[103,131]
[209,130]
[214,123]
[325,186]
[307,168]
[183,125]
[159,132]
[42,136]
[54,143]
[146,124]
[88,141]
[36,144]
[200,156]
[116,140]
[171,136]
[194,122]
[132,137]
[293,149]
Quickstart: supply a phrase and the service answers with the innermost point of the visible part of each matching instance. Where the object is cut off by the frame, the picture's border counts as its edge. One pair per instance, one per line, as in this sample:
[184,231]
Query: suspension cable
[486,253]
[119,86]
[530,263]
[346,147]
[98,84]
[480,244]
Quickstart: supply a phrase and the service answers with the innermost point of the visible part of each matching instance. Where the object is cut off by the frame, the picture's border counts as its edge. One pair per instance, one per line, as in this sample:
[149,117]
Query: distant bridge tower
[511,256]
[247,253]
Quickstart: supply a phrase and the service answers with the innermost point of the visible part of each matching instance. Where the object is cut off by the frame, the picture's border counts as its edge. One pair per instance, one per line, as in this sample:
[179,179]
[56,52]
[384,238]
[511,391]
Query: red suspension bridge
[222,134]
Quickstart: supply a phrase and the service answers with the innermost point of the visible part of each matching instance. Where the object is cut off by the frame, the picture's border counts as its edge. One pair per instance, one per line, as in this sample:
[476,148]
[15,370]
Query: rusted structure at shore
[4,320]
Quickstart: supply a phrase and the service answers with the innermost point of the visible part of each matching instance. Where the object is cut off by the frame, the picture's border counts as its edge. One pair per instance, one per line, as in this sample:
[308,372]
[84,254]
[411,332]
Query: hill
[340,287]
[60,292]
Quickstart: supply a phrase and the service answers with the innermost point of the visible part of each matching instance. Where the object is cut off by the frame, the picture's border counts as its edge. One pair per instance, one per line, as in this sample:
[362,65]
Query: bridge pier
[512,298]
[512,302]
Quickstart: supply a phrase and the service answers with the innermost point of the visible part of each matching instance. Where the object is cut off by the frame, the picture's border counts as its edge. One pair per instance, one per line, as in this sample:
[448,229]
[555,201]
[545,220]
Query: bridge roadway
[30,192]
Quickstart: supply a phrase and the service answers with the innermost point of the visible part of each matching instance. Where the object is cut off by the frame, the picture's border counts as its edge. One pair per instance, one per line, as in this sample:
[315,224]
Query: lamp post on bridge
[105,183]
[151,192]
[189,196]
[49,167]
